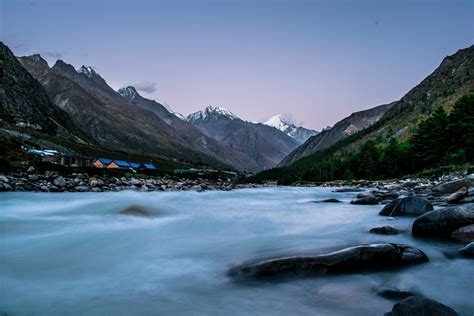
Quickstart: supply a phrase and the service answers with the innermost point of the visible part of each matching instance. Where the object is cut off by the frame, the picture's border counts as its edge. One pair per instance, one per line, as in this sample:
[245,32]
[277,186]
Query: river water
[72,254]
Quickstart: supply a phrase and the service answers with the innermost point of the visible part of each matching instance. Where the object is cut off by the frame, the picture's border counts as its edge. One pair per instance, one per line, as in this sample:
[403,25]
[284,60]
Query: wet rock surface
[384,230]
[443,222]
[464,234]
[468,250]
[366,200]
[420,306]
[331,200]
[371,257]
[394,294]
[408,206]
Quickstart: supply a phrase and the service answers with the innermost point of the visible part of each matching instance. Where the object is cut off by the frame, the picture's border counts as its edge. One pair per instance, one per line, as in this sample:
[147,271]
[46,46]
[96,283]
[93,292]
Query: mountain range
[75,110]
[266,145]
[448,83]
[80,100]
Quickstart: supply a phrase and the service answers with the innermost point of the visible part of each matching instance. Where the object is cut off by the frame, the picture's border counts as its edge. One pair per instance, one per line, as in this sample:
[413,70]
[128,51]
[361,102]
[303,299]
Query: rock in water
[464,234]
[420,306]
[443,222]
[468,250]
[384,230]
[367,200]
[331,200]
[457,196]
[394,294]
[409,206]
[136,210]
[453,186]
[348,190]
[358,258]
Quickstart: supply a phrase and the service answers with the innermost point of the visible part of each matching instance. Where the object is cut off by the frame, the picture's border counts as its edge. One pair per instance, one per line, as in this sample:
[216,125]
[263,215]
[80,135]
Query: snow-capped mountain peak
[128,93]
[298,133]
[209,112]
[88,71]
[277,121]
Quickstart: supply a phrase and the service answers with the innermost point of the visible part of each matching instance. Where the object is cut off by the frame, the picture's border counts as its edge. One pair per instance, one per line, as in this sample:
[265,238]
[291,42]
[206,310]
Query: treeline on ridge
[440,140]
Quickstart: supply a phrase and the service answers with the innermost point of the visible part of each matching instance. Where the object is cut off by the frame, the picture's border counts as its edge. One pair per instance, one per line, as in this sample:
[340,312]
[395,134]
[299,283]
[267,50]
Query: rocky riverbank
[52,181]
[454,188]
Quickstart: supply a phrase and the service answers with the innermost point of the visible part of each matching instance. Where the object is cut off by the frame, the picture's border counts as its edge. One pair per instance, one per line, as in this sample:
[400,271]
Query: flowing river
[73,254]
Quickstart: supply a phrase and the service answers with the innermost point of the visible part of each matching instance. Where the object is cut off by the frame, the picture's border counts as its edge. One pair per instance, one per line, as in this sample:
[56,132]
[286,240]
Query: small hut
[102,162]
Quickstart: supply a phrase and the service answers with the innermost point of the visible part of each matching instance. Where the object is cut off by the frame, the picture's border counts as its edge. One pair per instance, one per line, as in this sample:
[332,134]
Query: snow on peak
[128,93]
[278,121]
[299,133]
[88,71]
[220,111]
[211,111]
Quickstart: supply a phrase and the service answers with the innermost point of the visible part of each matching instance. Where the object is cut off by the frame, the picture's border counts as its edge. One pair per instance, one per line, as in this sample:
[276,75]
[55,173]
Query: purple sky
[317,61]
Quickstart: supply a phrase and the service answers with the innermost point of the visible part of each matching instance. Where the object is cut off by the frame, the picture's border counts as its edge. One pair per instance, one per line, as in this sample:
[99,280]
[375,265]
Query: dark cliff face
[453,78]
[352,124]
[264,144]
[24,102]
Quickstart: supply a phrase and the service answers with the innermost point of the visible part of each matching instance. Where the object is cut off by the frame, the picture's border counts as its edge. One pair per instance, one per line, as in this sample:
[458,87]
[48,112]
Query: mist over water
[73,254]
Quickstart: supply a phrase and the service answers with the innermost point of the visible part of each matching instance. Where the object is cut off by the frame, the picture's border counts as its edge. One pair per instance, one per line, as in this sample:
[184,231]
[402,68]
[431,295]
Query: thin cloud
[145,86]
[52,55]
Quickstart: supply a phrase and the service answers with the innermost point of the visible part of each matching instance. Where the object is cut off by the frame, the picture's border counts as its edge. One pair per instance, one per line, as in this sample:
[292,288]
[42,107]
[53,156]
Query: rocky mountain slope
[189,133]
[24,103]
[453,79]
[111,121]
[353,123]
[298,133]
[264,144]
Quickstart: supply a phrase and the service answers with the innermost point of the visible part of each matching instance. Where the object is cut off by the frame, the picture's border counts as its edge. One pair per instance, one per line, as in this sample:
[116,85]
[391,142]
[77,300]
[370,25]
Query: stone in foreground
[409,206]
[384,230]
[443,222]
[420,306]
[371,257]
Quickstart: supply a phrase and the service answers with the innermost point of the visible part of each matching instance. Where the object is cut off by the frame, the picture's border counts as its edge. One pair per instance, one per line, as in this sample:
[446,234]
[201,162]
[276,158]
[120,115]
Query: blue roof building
[122,163]
[149,166]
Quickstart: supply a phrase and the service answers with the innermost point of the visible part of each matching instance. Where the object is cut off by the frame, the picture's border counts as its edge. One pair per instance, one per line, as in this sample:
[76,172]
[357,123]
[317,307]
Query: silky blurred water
[73,254]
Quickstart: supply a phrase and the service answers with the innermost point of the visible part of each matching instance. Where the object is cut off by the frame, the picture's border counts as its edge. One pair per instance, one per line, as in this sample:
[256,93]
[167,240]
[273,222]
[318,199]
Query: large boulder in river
[453,186]
[420,306]
[408,206]
[371,257]
[443,222]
